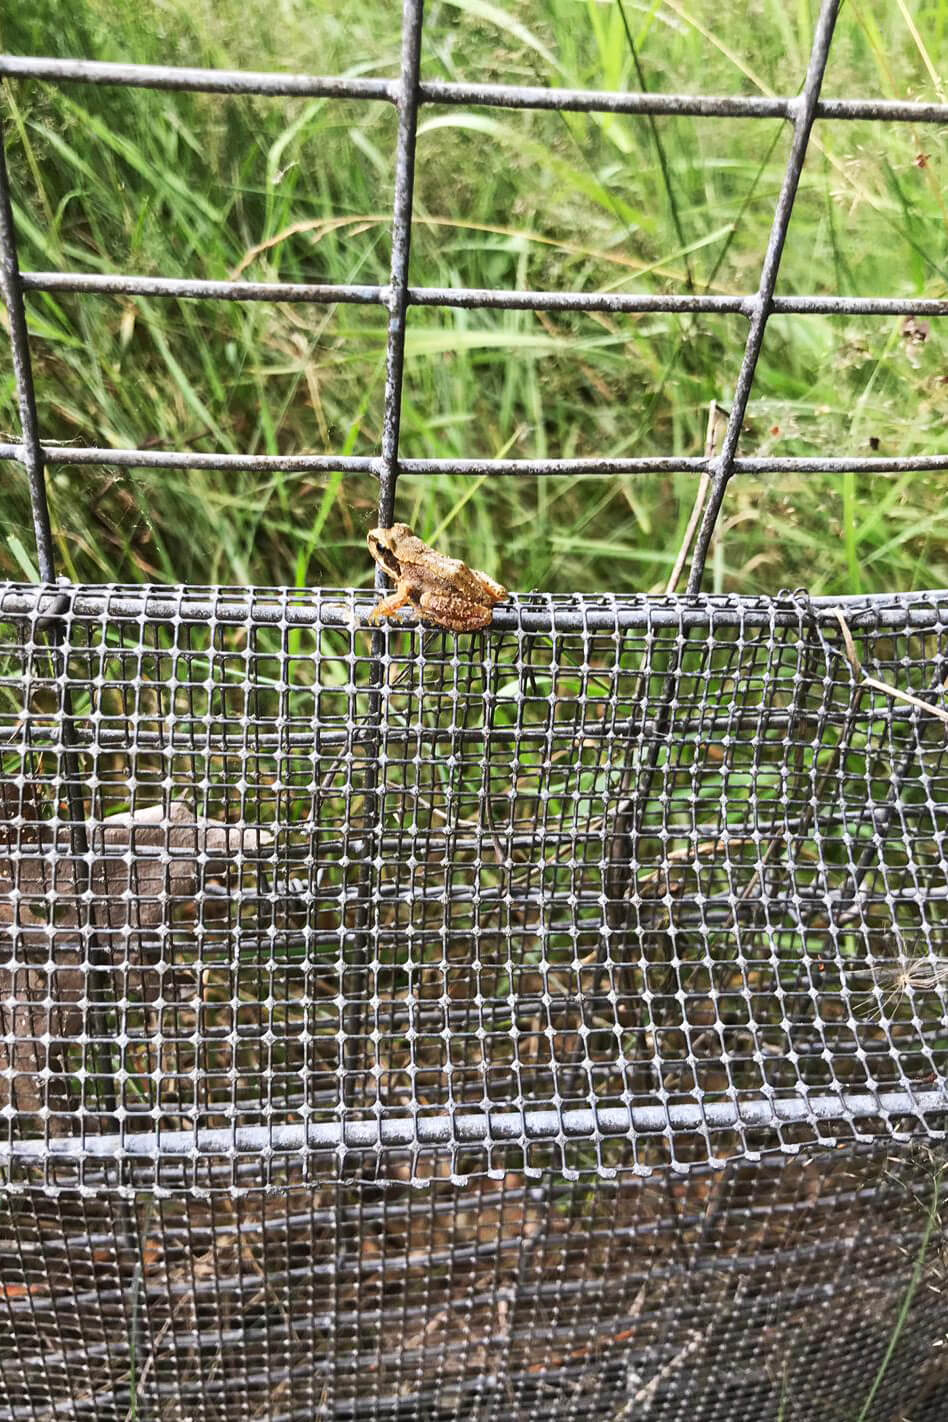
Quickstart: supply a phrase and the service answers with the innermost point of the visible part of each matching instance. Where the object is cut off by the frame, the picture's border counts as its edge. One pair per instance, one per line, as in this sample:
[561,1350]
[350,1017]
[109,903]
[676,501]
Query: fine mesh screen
[546,1021]
[758,1291]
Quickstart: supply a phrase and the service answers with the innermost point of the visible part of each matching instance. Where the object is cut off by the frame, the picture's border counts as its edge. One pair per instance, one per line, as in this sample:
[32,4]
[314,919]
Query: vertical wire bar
[97,958]
[408,103]
[23,376]
[722,467]
[353,1022]
[636,786]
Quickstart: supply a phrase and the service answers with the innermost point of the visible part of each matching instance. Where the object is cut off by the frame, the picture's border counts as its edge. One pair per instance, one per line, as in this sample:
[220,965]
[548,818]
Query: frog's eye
[387,558]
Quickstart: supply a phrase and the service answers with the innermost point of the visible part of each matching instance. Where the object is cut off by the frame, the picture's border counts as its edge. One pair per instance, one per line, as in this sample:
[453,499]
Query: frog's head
[384,545]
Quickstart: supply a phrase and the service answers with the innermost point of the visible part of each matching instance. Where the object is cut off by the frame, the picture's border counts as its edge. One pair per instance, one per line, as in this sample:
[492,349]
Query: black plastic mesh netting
[657,889]
[549,1020]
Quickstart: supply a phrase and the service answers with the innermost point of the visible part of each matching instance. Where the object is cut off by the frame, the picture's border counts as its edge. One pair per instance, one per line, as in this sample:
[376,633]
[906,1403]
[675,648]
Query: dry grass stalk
[885,687]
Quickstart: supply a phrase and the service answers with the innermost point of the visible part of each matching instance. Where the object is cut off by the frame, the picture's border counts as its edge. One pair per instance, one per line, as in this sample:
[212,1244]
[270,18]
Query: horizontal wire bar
[480,1128]
[888,110]
[134,285]
[525,96]
[518,96]
[338,608]
[815,464]
[183,459]
[209,81]
[467,298]
[856,306]
[239,81]
[489,298]
[492,298]
[473,298]
[367,464]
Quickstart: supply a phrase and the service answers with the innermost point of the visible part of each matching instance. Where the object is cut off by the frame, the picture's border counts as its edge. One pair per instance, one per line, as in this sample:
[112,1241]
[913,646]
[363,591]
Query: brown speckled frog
[443,590]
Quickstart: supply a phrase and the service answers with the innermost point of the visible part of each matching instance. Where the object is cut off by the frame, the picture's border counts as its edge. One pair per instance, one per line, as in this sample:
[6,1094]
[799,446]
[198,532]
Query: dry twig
[715,412]
[885,687]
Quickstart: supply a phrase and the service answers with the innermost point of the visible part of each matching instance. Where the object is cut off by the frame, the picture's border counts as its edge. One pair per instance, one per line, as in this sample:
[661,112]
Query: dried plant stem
[910,1293]
[885,687]
[716,416]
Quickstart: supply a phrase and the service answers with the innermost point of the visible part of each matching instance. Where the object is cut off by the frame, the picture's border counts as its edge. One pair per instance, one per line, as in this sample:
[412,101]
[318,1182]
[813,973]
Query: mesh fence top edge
[532,612]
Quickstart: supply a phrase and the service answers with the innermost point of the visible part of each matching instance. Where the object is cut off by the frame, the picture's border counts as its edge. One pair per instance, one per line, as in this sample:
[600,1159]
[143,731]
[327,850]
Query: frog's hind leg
[390,605]
[497,590]
[452,612]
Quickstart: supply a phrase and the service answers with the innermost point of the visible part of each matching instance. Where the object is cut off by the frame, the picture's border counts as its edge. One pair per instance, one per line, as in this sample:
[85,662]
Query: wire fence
[619,927]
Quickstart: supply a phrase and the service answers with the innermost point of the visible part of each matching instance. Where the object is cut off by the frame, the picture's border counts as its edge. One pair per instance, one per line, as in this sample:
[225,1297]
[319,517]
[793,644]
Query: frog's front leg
[390,605]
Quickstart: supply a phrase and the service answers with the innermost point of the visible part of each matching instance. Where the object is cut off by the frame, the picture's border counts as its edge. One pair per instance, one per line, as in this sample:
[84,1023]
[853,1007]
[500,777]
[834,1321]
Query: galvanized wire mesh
[620,927]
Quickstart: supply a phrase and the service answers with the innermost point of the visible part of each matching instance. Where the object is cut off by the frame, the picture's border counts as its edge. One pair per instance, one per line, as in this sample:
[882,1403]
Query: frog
[442,590]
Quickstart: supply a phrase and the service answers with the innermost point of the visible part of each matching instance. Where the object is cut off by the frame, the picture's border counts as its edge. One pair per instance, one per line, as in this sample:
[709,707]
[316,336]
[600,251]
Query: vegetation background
[109,179]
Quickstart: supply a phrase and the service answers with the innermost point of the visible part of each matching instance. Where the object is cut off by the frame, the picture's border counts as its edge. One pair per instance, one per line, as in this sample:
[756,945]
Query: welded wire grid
[300,914]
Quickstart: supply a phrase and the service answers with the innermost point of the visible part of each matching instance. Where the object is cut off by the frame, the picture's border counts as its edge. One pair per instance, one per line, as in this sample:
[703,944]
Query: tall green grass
[193,185]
